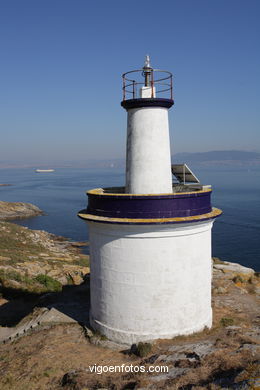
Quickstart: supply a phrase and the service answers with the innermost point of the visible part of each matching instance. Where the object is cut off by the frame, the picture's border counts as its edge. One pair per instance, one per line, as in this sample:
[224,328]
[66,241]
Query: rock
[70,378]
[151,359]
[200,349]
[174,357]
[34,252]
[15,210]
[79,243]
[257,290]
[233,270]
[105,343]
[56,316]
[162,358]
[252,348]
[88,332]
[220,290]
[172,373]
[4,258]
[66,313]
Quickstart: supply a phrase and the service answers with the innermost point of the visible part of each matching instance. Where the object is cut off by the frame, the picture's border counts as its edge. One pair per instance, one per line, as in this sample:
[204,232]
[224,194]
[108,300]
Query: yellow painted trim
[213,214]
[100,191]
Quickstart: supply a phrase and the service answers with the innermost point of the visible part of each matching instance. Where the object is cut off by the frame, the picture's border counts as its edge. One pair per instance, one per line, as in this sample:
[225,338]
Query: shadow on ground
[73,301]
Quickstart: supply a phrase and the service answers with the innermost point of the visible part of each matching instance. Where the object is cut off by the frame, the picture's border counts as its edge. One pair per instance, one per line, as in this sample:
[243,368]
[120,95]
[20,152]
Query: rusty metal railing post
[123,87]
[133,89]
[171,89]
[152,84]
[163,83]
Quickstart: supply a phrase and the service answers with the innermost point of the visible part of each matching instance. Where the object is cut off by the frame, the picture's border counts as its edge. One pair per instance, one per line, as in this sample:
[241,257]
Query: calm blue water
[61,194]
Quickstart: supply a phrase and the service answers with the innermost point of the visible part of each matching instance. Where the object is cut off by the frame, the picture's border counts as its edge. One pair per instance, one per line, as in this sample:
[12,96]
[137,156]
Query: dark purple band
[149,206]
[147,102]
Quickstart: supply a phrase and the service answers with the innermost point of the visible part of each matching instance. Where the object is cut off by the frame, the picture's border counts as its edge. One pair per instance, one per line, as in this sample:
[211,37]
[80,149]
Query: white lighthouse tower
[150,241]
[148,160]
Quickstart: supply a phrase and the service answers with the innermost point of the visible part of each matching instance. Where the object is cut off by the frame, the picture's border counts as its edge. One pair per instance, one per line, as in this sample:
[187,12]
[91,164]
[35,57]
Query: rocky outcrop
[26,253]
[44,321]
[60,350]
[17,210]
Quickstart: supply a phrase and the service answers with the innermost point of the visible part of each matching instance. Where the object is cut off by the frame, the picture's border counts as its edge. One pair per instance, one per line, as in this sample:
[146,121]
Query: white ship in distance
[44,170]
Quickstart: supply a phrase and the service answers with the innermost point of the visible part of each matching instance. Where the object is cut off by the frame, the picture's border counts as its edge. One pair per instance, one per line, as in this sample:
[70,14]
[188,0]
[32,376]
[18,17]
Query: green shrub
[10,275]
[225,321]
[238,279]
[216,260]
[6,275]
[83,261]
[48,282]
[70,280]
[97,334]
[143,349]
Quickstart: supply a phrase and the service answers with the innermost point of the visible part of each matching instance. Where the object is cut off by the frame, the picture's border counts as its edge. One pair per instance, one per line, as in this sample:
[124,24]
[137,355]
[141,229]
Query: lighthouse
[150,240]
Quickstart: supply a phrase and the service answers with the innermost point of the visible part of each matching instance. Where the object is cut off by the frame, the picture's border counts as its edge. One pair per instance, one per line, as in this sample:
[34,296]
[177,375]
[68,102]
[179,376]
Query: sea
[62,193]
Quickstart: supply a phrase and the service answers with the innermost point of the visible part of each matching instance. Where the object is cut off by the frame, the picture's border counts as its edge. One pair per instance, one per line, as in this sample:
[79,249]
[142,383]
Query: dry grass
[58,357]
[220,369]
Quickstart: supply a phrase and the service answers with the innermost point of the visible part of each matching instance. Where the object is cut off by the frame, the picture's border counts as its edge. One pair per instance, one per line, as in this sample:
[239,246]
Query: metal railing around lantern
[164,85]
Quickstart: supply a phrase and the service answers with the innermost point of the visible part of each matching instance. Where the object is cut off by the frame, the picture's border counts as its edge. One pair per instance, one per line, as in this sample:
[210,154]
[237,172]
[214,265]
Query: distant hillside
[223,157]
[218,157]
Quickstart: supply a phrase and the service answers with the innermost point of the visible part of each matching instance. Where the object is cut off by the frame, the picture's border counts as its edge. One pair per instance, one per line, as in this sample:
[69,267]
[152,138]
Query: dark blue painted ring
[147,102]
[149,206]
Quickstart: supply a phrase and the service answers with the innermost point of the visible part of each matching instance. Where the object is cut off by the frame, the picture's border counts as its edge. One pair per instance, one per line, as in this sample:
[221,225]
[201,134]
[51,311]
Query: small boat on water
[44,170]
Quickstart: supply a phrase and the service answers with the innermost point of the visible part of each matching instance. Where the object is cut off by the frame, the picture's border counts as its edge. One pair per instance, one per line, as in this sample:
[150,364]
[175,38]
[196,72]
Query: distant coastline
[62,194]
[221,158]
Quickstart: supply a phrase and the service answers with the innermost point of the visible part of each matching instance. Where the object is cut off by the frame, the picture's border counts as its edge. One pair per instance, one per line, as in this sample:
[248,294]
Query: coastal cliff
[46,342]
[25,254]
[17,210]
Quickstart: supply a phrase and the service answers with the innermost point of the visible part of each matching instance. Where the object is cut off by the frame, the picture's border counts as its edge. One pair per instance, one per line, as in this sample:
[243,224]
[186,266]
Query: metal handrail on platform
[129,84]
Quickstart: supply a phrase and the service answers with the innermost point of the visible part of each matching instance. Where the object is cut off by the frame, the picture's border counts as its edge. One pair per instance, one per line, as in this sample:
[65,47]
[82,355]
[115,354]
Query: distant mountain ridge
[223,157]
[215,157]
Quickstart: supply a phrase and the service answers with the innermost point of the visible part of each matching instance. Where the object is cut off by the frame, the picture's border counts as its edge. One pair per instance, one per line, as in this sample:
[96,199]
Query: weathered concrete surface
[156,280]
[148,157]
[43,316]
[70,306]
[16,210]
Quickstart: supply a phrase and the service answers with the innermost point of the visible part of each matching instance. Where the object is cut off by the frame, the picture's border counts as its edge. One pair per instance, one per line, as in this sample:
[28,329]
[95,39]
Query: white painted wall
[150,282]
[148,159]
[146,92]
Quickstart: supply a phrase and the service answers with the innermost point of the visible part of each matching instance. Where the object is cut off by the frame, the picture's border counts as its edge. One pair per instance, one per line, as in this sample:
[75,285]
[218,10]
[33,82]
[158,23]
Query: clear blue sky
[62,60]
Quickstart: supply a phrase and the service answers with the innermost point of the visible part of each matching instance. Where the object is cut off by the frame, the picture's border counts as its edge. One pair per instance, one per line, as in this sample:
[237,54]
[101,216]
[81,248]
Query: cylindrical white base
[150,281]
[148,160]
